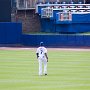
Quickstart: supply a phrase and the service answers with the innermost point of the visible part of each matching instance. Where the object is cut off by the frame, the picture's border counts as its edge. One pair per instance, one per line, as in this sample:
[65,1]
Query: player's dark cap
[41,43]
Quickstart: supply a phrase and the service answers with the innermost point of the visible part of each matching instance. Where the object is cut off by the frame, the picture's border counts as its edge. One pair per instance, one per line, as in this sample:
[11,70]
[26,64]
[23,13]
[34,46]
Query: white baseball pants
[42,61]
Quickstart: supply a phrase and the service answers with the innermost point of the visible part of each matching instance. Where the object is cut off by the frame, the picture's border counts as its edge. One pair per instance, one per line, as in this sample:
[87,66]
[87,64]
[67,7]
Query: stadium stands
[69,15]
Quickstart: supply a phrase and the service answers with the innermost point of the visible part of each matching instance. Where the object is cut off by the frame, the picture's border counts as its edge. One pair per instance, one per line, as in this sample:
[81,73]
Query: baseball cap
[41,44]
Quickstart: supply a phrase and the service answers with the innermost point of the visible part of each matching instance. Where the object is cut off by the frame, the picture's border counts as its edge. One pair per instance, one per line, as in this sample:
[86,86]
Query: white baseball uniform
[42,59]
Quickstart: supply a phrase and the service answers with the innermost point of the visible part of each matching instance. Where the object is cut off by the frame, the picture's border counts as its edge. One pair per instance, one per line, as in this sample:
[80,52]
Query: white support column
[17,3]
[84,1]
[25,3]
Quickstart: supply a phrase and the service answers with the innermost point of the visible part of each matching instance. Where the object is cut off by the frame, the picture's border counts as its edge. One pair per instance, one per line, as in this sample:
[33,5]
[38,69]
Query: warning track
[62,49]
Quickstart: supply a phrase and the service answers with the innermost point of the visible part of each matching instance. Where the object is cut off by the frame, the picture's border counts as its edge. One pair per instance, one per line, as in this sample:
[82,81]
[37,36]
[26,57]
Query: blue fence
[10,33]
[56,40]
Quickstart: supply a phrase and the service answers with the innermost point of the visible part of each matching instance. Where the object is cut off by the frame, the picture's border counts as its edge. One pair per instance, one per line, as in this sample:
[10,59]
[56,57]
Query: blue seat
[71,2]
[80,3]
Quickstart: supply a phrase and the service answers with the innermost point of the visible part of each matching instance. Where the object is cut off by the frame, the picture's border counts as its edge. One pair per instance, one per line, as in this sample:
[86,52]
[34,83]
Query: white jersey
[41,52]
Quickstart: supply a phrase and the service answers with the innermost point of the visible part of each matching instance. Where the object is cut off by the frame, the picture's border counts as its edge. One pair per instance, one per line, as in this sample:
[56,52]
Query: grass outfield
[57,33]
[67,70]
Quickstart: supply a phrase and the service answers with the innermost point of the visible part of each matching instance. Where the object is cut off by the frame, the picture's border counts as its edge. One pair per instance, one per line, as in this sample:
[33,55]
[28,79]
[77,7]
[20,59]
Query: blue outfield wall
[10,33]
[56,40]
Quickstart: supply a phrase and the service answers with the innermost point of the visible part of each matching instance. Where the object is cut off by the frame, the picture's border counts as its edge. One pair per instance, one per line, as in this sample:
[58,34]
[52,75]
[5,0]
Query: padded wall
[56,40]
[10,33]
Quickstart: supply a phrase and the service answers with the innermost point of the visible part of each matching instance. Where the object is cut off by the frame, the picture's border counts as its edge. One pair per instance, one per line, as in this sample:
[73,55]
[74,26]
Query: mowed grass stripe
[67,70]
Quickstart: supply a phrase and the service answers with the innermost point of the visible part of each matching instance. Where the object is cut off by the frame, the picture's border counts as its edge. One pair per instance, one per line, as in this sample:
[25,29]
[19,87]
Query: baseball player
[42,58]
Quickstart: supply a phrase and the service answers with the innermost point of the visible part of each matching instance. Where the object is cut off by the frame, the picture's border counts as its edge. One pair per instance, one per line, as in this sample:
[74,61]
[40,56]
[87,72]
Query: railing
[26,4]
[67,7]
[31,4]
[65,11]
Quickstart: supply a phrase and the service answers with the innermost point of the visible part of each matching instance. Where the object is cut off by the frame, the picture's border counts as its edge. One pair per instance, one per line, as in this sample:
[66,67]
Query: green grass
[67,70]
[57,33]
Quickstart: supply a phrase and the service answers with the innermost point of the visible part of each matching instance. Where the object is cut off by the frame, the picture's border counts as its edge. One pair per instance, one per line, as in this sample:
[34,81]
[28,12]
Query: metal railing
[25,4]
[31,4]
